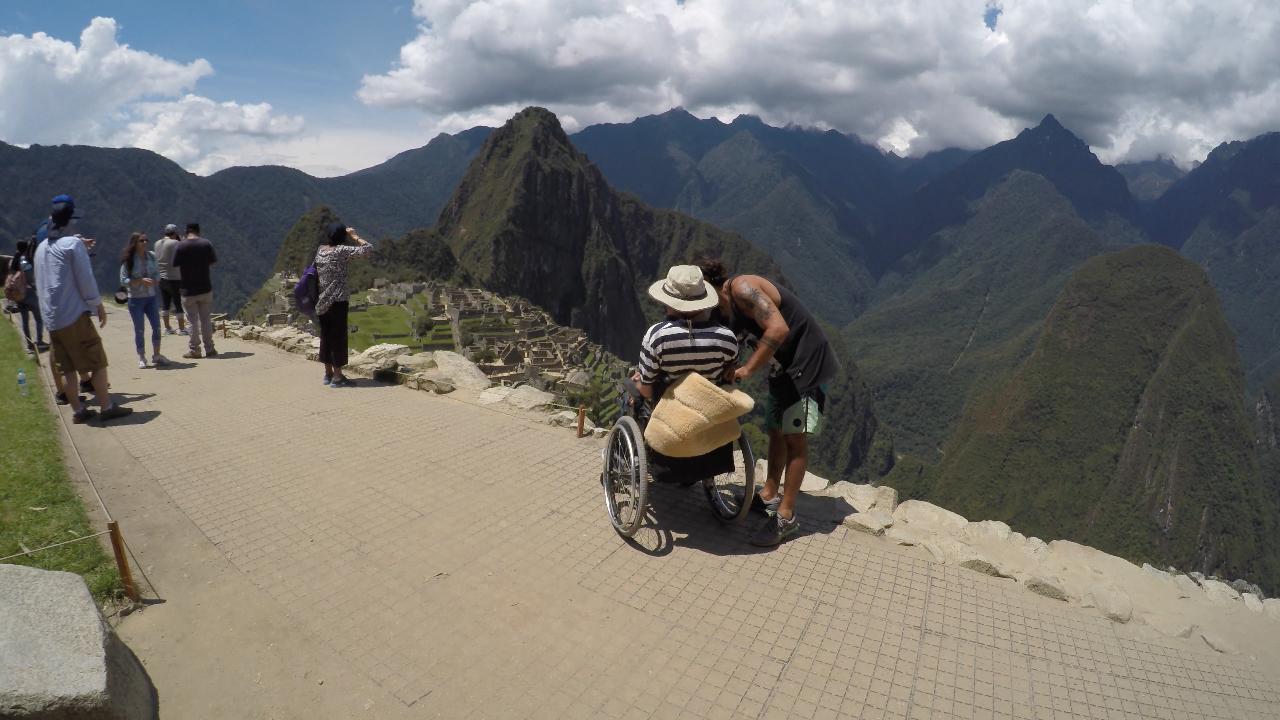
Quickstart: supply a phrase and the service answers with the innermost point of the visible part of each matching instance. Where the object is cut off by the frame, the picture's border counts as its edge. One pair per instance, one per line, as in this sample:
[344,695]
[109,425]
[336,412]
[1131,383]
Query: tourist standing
[331,308]
[788,340]
[140,274]
[193,258]
[24,262]
[68,296]
[170,280]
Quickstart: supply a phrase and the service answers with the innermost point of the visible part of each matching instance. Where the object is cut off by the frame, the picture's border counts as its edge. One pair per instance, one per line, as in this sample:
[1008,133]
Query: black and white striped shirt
[673,348]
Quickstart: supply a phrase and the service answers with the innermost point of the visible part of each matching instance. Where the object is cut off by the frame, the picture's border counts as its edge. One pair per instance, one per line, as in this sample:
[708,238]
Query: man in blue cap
[68,297]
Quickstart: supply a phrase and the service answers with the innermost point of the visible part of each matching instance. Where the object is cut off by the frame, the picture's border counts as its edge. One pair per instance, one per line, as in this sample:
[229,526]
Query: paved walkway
[378,552]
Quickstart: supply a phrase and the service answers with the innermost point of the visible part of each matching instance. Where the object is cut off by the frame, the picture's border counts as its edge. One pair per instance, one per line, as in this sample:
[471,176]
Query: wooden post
[582,418]
[122,562]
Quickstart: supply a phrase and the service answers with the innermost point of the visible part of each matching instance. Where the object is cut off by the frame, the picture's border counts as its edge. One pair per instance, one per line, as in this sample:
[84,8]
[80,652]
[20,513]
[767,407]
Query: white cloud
[1133,77]
[103,92]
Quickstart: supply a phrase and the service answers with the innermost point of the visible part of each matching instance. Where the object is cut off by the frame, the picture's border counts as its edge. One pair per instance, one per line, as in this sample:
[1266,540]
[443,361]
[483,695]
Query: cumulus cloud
[103,92]
[1133,77]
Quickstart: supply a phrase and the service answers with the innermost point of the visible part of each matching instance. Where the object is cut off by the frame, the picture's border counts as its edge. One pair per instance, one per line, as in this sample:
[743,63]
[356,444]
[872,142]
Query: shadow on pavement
[680,516]
[138,417]
[231,355]
[126,398]
[175,365]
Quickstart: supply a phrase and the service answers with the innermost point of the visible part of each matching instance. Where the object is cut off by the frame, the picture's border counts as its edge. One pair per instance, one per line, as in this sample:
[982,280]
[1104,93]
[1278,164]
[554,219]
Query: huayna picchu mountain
[1126,428]
[533,217]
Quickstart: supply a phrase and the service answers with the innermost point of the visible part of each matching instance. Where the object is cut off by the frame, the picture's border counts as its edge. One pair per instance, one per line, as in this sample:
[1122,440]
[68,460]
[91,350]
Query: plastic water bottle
[23,390]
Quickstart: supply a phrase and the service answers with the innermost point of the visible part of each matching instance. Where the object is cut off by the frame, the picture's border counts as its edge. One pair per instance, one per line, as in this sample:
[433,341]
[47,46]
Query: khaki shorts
[78,347]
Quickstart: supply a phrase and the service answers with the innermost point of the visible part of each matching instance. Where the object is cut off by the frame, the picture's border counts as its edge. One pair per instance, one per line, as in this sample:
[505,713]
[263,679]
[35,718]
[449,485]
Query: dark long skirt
[333,335]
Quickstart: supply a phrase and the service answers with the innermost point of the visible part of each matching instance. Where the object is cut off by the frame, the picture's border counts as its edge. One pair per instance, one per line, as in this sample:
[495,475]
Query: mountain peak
[1049,122]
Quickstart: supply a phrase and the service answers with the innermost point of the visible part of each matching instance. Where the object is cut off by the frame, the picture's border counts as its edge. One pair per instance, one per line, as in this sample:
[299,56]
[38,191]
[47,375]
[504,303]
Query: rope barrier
[113,529]
[48,547]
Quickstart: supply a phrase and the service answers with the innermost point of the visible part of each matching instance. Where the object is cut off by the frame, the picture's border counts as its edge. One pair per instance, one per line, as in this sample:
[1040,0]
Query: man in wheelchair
[689,340]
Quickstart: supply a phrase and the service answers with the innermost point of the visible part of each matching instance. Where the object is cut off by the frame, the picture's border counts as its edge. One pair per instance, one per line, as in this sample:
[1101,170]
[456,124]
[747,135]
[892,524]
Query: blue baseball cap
[63,210]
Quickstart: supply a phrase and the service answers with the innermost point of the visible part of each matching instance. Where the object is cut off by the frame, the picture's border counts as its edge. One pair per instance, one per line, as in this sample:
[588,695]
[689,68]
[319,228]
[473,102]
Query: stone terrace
[460,561]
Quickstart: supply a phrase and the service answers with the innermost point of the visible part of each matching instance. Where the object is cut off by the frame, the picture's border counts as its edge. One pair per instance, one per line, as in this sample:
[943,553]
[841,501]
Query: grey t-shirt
[164,250]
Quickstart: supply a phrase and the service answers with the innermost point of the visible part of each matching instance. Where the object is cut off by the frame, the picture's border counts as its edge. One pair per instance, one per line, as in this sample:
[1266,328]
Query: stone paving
[460,558]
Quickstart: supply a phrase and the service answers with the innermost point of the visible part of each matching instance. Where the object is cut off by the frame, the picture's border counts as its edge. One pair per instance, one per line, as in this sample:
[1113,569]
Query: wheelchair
[626,475]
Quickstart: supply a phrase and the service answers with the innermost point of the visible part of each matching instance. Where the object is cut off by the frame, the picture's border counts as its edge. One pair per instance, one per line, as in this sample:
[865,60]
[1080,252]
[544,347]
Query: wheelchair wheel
[730,494]
[625,477]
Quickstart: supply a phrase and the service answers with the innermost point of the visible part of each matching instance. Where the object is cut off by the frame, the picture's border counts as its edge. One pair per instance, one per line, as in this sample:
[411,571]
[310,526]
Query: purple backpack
[307,292]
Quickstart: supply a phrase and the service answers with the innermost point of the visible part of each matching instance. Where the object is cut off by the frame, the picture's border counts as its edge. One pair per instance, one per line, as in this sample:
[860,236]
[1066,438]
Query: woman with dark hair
[140,275]
[24,261]
[331,308]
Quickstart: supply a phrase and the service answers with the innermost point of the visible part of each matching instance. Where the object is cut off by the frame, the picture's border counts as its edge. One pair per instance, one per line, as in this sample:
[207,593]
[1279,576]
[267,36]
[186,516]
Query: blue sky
[300,56]
[332,87]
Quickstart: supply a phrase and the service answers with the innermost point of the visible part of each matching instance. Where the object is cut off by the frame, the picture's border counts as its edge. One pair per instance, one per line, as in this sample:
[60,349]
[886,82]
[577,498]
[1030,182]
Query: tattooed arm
[757,298]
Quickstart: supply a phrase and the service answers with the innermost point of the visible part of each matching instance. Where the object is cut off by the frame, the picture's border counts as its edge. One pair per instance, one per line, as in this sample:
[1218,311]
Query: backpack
[15,286]
[307,292]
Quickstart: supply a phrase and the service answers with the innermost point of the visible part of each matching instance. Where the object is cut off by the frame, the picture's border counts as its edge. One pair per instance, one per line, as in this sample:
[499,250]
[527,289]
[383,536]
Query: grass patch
[38,505]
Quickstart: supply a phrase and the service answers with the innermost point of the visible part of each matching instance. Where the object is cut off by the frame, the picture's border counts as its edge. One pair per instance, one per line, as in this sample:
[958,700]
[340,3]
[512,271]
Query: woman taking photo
[331,308]
[140,275]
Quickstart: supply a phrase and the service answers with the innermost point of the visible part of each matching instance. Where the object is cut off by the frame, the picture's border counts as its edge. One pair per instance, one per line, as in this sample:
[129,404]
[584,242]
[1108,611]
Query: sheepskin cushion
[695,417]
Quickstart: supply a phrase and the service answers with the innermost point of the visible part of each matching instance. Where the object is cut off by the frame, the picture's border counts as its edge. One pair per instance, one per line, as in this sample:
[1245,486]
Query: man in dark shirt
[193,258]
[789,343]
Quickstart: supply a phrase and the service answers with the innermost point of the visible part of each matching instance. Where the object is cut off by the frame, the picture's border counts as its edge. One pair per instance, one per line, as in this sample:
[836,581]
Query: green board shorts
[802,416]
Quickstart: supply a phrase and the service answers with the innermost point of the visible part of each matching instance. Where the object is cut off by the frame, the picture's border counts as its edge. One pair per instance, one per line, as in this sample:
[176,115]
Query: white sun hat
[685,290]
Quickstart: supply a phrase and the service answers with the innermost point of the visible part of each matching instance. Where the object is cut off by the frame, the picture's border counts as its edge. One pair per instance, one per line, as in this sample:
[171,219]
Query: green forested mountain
[812,200]
[1125,428]
[967,307]
[1225,215]
[533,217]
[245,211]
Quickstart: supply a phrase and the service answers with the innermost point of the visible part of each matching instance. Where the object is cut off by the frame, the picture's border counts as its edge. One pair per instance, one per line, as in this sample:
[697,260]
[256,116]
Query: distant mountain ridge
[245,211]
[811,199]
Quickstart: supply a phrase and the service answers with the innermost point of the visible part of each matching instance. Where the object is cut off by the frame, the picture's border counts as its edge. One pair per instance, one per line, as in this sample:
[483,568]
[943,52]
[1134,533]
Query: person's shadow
[175,365]
[681,516]
[231,355]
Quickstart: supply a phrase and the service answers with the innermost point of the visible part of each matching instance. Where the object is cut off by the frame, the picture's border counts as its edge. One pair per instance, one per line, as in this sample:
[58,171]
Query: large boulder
[376,359]
[862,498]
[1220,593]
[928,517]
[460,370]
[416,362]
[58,659]
[525,397]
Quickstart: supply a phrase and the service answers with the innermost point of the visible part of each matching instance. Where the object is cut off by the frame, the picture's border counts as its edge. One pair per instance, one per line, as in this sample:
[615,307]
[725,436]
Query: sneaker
[115,411]
[169,331]
[192,355]
[342,382]
[774,530]
[159,360]
[61,399]
[211,353]
[83,416]
[183,331]
[759,504]
[328,379]
[142,363]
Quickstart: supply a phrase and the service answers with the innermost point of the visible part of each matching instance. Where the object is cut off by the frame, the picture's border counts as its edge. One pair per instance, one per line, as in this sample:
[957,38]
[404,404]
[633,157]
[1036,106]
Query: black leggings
[333,335]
